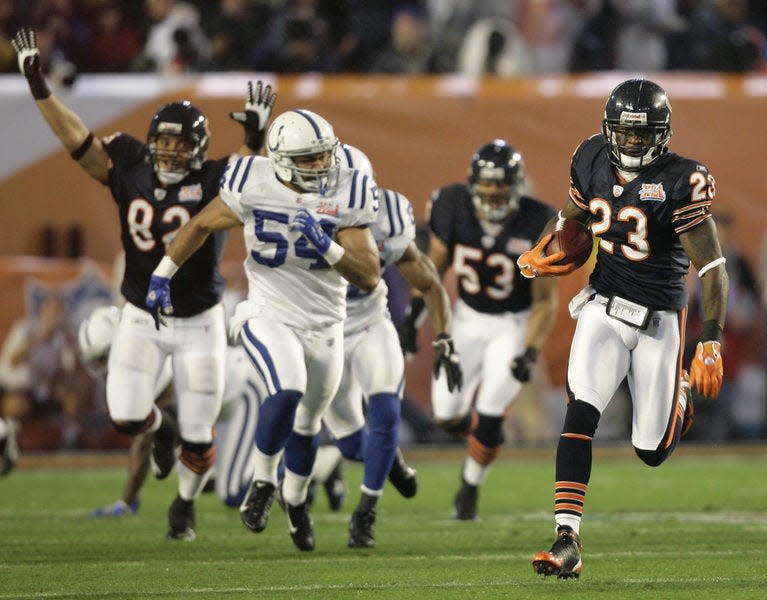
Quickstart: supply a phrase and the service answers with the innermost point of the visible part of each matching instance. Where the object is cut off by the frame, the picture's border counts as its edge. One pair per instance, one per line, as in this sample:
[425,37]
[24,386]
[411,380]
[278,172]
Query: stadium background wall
[419,134]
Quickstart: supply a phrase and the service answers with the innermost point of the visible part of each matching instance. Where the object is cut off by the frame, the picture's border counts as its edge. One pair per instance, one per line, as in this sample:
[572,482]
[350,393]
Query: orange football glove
[707,369]
[535,263]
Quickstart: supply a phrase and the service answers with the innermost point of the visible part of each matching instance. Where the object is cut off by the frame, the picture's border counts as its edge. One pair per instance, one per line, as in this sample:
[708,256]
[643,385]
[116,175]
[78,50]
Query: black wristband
[417,306]
[711,331]
[37,85]
[82,148]
[254,139]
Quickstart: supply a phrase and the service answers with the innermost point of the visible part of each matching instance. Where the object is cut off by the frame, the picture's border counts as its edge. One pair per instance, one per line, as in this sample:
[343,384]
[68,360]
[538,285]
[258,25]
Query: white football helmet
[95,338]
[354,158]
[303,133]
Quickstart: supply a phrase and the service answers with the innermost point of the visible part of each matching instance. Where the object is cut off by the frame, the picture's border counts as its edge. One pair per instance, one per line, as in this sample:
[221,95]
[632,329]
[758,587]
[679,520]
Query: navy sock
[383,420]
[275,421]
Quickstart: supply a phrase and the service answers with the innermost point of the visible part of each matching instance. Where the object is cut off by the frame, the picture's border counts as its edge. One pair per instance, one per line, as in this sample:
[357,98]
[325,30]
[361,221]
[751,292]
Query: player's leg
[135,363]
[9,449]
[278,356]
[660,396]
[505,340]
[199,354]
[236,428]
[324,358]
[598,337]
[378,367]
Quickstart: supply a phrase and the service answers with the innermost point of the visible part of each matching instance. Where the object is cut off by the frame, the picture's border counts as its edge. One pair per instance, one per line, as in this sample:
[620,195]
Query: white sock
[328,458]
[266,466]
[190,484]
[473,472]
[294,488]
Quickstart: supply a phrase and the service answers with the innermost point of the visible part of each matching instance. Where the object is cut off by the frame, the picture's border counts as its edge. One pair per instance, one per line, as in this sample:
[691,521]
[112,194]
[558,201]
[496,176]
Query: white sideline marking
[514,583]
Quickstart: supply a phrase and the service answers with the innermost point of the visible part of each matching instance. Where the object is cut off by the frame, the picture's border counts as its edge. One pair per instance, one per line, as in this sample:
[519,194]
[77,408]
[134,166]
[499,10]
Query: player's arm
[422,275]
[702,247]
[216,216]
[439,254]
[543,313]
[419,271]
[82,145]
[360,263]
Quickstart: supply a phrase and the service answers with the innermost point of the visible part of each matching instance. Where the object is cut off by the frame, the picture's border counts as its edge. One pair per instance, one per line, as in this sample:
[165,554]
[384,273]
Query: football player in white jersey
[306,231]
[373,364]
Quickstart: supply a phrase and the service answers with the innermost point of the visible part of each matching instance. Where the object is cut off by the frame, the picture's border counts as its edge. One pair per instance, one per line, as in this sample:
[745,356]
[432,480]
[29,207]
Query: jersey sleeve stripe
[576,197]
[387,198]
[233,174]
[353,190]
[348,154]
[691,208]
[691,224]
[364,195]
[244,177]
[398,204]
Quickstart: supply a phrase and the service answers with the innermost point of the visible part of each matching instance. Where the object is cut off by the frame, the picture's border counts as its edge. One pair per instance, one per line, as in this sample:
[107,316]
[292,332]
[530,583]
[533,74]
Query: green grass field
[694,528]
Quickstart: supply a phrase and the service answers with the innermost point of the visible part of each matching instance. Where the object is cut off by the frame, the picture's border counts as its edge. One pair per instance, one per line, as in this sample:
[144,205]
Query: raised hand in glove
[535,263]
[522,365]
[28,56]
[707,369]
[158,299]
[446,357]
[258,108]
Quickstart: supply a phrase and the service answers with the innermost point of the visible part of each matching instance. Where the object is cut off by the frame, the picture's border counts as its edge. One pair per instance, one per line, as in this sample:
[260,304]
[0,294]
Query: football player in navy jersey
[500,320]
[651,210]
[159,186]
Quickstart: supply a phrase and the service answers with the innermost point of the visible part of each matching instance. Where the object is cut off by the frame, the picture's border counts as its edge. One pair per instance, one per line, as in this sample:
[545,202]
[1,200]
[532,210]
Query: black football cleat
[164,445]
[335,488]
[564,558]
[254,510]
[181,520]
[300,527]
[362,529]
[9,449]
[465,503]
[402,476]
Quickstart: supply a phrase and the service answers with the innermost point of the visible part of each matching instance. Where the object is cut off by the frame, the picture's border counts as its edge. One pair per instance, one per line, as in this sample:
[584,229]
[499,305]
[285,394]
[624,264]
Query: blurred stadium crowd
[502,37]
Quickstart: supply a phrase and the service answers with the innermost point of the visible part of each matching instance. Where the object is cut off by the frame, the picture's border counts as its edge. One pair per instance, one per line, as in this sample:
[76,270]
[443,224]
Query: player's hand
[27,53]
[535,263]
[522,365]
[258,109]
[707,369]
[446,357]
[158,299]
[408,336]
[304,222]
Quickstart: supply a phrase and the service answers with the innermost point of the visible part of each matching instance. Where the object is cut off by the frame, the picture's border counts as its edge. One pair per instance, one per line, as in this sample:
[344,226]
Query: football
[573,238]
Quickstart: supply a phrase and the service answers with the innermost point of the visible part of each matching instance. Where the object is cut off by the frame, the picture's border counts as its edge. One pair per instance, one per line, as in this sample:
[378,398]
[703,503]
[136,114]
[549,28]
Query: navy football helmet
[173,161]
[498,162]
[636,124]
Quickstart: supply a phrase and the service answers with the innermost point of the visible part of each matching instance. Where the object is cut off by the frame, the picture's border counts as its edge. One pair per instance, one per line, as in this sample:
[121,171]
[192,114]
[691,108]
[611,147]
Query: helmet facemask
[634,147]
[496,179]
[172,157]
[494,199]
[177,141]
[305,172]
